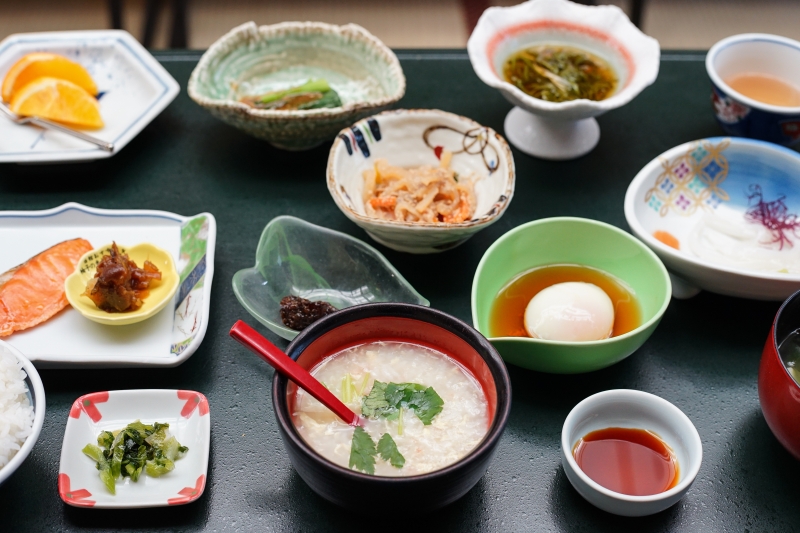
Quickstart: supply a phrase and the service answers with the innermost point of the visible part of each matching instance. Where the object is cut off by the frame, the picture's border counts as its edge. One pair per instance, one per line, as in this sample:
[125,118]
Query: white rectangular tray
[68,339]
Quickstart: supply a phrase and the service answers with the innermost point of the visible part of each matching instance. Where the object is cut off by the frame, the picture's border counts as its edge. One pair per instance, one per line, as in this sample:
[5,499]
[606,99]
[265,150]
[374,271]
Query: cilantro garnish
[387,399]
[375,403]
[427,405]
[362,452]
[389,452]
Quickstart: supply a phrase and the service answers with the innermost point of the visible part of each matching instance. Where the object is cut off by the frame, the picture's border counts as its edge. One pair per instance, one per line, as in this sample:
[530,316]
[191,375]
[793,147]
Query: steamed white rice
[16,412]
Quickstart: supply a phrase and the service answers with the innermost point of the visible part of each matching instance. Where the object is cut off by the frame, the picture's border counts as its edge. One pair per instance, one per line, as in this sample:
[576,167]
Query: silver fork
[48,125]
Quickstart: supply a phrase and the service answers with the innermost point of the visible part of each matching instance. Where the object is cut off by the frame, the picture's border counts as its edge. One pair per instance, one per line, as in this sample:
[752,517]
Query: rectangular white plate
[134,89]
[189,421]
[70,340]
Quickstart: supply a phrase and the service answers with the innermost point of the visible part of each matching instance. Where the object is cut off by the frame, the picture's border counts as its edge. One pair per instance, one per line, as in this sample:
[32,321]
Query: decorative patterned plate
[723,215]
[134,89]
[189,421]
[68,339]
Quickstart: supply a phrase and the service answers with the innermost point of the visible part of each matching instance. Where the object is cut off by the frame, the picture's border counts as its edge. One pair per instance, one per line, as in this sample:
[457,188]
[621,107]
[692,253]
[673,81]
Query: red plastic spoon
[284,364]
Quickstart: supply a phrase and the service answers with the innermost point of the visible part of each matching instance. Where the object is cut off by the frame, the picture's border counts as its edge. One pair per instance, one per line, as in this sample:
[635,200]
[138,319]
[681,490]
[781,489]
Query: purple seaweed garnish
[772,215]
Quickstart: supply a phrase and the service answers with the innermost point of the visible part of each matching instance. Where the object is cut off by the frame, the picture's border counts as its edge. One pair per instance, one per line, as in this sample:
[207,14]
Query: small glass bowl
[295,257]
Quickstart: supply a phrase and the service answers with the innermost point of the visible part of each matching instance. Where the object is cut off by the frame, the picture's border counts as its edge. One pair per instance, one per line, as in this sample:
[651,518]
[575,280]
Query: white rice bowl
[16,411]
[22,407]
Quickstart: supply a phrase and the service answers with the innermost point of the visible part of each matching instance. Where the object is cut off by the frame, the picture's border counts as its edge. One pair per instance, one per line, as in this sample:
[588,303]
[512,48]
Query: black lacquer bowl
[415,324]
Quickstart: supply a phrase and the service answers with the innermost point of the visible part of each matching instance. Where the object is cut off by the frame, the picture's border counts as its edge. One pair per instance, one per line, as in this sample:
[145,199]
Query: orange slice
[39,64]
[58,100]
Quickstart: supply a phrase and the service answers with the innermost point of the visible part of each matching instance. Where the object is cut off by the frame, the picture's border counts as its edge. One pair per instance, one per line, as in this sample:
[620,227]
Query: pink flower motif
[194,400]
[728,110]
[791,128]
[73,497]
[189,494]
[87,404]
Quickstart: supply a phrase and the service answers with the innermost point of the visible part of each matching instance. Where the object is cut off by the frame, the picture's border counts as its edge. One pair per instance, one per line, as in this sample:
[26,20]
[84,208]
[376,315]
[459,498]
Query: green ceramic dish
[251,60]
[576,241]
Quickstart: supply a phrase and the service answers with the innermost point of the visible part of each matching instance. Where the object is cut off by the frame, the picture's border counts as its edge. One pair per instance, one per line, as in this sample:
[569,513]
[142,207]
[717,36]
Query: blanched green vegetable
[135,449]
[314,94]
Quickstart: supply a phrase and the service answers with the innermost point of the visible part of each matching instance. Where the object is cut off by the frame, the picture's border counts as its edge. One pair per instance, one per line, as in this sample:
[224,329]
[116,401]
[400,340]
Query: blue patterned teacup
[755,53]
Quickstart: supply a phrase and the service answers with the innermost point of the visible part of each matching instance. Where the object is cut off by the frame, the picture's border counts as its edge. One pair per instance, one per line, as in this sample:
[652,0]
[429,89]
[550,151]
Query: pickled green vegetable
[135,449]
[560,73]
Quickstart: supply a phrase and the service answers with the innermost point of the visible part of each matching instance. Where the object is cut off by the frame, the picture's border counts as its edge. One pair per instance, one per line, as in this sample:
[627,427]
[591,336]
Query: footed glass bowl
[295,257]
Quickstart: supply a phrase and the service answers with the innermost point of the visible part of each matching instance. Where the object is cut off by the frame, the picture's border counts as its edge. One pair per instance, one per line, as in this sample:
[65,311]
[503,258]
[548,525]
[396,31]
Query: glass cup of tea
[756,86]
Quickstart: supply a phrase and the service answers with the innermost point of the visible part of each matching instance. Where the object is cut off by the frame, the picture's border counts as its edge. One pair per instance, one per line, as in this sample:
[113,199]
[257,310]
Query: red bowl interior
[387,328]
[778,392]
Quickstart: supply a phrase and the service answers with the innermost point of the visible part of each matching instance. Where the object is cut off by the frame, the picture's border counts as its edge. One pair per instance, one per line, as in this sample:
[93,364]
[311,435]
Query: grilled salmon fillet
[34,291]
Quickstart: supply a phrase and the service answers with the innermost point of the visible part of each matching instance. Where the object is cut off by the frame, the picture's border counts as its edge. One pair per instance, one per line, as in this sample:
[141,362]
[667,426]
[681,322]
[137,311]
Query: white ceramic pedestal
[682,289]
[551,138]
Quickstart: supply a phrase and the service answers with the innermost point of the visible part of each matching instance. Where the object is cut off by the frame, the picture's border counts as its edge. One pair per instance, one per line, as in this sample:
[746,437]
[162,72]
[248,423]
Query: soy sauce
[627,460]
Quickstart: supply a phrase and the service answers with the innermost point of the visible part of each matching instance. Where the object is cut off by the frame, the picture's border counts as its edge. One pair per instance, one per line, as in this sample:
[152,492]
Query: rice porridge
[460,422]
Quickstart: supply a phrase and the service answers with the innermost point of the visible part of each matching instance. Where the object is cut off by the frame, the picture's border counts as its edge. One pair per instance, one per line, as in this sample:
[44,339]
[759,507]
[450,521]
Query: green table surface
[703,357]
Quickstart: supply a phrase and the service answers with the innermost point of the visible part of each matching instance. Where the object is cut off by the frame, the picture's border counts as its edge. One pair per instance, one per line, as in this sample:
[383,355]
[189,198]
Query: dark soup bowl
[396,322]
[778,391]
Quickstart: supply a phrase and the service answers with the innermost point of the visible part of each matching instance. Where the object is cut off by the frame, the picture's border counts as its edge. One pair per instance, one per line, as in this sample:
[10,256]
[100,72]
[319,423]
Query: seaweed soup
[789,351]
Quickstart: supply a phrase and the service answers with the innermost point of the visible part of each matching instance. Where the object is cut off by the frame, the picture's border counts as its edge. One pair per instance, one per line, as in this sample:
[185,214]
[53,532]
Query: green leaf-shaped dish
[295,257]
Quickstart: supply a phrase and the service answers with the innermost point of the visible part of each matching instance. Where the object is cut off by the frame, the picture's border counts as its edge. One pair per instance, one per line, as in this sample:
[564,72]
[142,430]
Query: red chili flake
[772,215]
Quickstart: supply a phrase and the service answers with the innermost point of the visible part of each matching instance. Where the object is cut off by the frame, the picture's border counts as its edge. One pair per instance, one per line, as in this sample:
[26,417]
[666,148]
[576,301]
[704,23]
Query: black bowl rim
[400,310]
[774,336]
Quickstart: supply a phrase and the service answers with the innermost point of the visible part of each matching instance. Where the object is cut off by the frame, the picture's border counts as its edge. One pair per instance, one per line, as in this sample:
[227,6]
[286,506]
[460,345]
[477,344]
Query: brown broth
[767,89]
[506,318]
[627,460]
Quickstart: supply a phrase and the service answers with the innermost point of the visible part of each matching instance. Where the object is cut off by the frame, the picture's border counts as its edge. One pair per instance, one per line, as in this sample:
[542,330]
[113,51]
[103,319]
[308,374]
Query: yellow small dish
[160,295]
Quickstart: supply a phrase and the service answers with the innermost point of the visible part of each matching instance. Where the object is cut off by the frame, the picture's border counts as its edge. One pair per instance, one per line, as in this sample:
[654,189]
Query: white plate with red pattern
[189,421]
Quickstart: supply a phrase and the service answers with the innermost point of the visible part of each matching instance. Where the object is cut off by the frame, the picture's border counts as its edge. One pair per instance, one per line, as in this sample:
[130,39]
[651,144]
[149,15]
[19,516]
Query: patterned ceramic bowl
[411,138]
[723,216]
[561,130]
[757,53]
[252,60]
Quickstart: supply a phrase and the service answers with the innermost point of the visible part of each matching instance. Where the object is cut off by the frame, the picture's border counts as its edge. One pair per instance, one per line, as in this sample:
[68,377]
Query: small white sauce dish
[561,130]
[412,138]
[631,409]
[189,421]
[36,398]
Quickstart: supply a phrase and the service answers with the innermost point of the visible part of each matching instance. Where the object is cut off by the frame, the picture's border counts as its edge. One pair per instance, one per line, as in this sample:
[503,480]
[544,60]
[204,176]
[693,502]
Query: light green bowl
[251,60]
[577,241]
